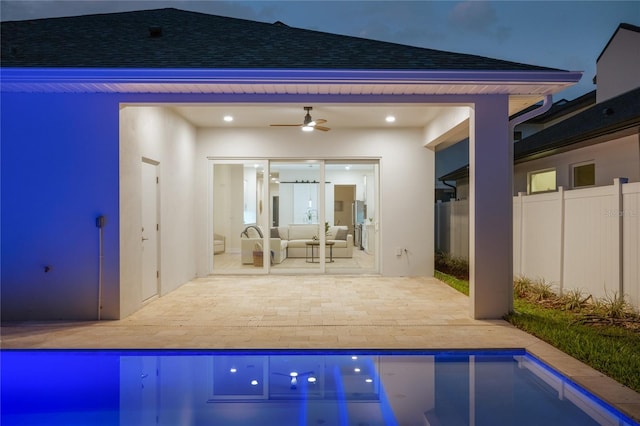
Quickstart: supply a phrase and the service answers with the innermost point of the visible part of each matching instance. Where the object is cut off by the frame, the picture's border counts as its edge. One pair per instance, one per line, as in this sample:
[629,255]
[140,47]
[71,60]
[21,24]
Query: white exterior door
[150,228]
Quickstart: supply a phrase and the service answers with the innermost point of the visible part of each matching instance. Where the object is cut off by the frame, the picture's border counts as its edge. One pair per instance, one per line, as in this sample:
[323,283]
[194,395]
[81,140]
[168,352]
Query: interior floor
[360,262]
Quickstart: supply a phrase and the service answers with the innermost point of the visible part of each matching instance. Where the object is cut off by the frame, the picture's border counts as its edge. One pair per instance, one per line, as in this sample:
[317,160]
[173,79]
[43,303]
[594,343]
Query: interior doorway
[344,197]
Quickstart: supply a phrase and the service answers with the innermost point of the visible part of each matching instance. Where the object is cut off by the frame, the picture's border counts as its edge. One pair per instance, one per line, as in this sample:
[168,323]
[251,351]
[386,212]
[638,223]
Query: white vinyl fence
[586,239]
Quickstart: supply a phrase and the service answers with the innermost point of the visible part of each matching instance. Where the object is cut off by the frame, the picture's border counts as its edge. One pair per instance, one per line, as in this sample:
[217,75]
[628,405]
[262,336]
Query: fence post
[619,211]
[520,230]
[562,238]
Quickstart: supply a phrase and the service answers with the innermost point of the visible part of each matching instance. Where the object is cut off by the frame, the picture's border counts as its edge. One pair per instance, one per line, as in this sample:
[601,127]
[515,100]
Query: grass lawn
[606,345]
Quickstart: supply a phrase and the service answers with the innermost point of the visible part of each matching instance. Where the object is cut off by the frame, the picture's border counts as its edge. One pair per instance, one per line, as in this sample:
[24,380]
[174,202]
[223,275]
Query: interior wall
[405,212]
[158,134]
[59,173]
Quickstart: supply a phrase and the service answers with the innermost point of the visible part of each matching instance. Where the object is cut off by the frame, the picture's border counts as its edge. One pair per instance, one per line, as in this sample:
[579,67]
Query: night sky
[567,35]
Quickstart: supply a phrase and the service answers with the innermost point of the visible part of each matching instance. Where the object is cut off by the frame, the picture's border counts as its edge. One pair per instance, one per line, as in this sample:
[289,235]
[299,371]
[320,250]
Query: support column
[490,209]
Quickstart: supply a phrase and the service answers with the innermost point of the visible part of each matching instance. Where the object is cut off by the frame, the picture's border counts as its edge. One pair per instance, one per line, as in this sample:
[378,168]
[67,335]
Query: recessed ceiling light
[390,119]
[369,380]
[254,383]
[228,118]
[233,370]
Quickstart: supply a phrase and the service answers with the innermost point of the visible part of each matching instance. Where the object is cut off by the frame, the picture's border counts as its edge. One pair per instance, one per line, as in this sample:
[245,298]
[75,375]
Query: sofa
[290,241]
[297,237]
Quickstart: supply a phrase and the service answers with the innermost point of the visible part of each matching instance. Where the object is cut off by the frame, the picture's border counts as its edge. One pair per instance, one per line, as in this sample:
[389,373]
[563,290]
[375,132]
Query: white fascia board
[45,76]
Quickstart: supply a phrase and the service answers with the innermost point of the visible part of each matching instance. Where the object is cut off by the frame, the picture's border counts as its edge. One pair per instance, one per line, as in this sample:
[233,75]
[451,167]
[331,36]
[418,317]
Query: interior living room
[298,220]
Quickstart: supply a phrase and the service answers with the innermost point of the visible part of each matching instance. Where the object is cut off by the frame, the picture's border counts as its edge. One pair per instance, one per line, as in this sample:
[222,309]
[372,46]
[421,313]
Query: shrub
[521,286]
[451,265]
[614,306]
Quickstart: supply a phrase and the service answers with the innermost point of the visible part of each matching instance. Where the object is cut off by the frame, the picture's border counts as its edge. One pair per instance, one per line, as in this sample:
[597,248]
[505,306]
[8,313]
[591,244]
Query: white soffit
[286,82]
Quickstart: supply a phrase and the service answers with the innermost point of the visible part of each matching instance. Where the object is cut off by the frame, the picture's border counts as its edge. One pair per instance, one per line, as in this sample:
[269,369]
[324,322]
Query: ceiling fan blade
[320,121]
[324,129]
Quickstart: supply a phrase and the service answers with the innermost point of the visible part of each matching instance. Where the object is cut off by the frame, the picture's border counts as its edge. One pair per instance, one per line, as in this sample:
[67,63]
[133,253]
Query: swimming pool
[287,387]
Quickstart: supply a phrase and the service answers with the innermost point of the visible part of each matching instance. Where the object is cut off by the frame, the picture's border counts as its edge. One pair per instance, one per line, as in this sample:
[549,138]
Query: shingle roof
[614,115]
[171,38]
[606,118]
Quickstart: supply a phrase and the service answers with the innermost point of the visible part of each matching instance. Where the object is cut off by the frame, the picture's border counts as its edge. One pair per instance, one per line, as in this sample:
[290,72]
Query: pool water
[360,388]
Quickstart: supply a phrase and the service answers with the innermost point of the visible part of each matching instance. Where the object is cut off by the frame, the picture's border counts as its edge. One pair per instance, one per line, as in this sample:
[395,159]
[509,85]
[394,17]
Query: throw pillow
[341,234]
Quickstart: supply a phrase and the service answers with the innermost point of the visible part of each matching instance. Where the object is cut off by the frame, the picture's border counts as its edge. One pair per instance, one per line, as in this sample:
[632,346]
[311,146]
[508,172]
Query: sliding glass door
[297,222]
[294,216]
[351,200]
[239,216]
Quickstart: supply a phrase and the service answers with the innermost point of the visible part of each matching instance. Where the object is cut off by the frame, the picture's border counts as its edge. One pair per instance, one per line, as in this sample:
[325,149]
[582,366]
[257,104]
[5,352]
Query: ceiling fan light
[307,128]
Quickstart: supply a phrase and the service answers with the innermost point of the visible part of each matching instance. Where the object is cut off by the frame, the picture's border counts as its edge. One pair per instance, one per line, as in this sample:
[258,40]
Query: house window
[584,174]
[517,136]
[542,181]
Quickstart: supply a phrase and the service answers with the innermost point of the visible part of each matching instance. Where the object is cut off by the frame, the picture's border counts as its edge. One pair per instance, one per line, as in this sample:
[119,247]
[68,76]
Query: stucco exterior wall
[59,173]
[618,68]
[158,134]
[616,158]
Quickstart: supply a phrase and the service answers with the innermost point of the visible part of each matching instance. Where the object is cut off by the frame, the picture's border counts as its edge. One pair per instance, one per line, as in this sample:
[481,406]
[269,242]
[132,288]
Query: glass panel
[584,175]
[239,216]
[542,181]
[296,233]
[351,205]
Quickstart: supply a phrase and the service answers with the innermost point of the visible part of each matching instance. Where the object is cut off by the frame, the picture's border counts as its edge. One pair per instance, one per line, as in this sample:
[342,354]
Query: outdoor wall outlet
[398,251]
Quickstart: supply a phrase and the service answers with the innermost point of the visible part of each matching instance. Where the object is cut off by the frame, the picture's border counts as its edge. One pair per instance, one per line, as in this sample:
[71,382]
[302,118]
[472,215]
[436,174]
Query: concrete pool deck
[311,312]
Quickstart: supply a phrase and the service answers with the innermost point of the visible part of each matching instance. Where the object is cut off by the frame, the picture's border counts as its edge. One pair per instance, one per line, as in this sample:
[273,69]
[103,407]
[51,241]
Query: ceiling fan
[293,378]
[309,124]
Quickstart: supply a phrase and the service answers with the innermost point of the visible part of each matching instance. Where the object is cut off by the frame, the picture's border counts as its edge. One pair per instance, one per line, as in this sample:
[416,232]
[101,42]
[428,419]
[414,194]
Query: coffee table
[313,245]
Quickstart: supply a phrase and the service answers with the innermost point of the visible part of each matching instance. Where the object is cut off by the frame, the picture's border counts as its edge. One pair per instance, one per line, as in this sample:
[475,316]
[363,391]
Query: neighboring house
[581,143]
[113,136]
[578,229]
[454,184]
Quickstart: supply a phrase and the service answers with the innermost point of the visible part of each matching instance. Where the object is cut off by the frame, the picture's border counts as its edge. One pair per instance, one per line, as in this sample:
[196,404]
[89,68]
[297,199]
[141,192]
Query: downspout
[546,105]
